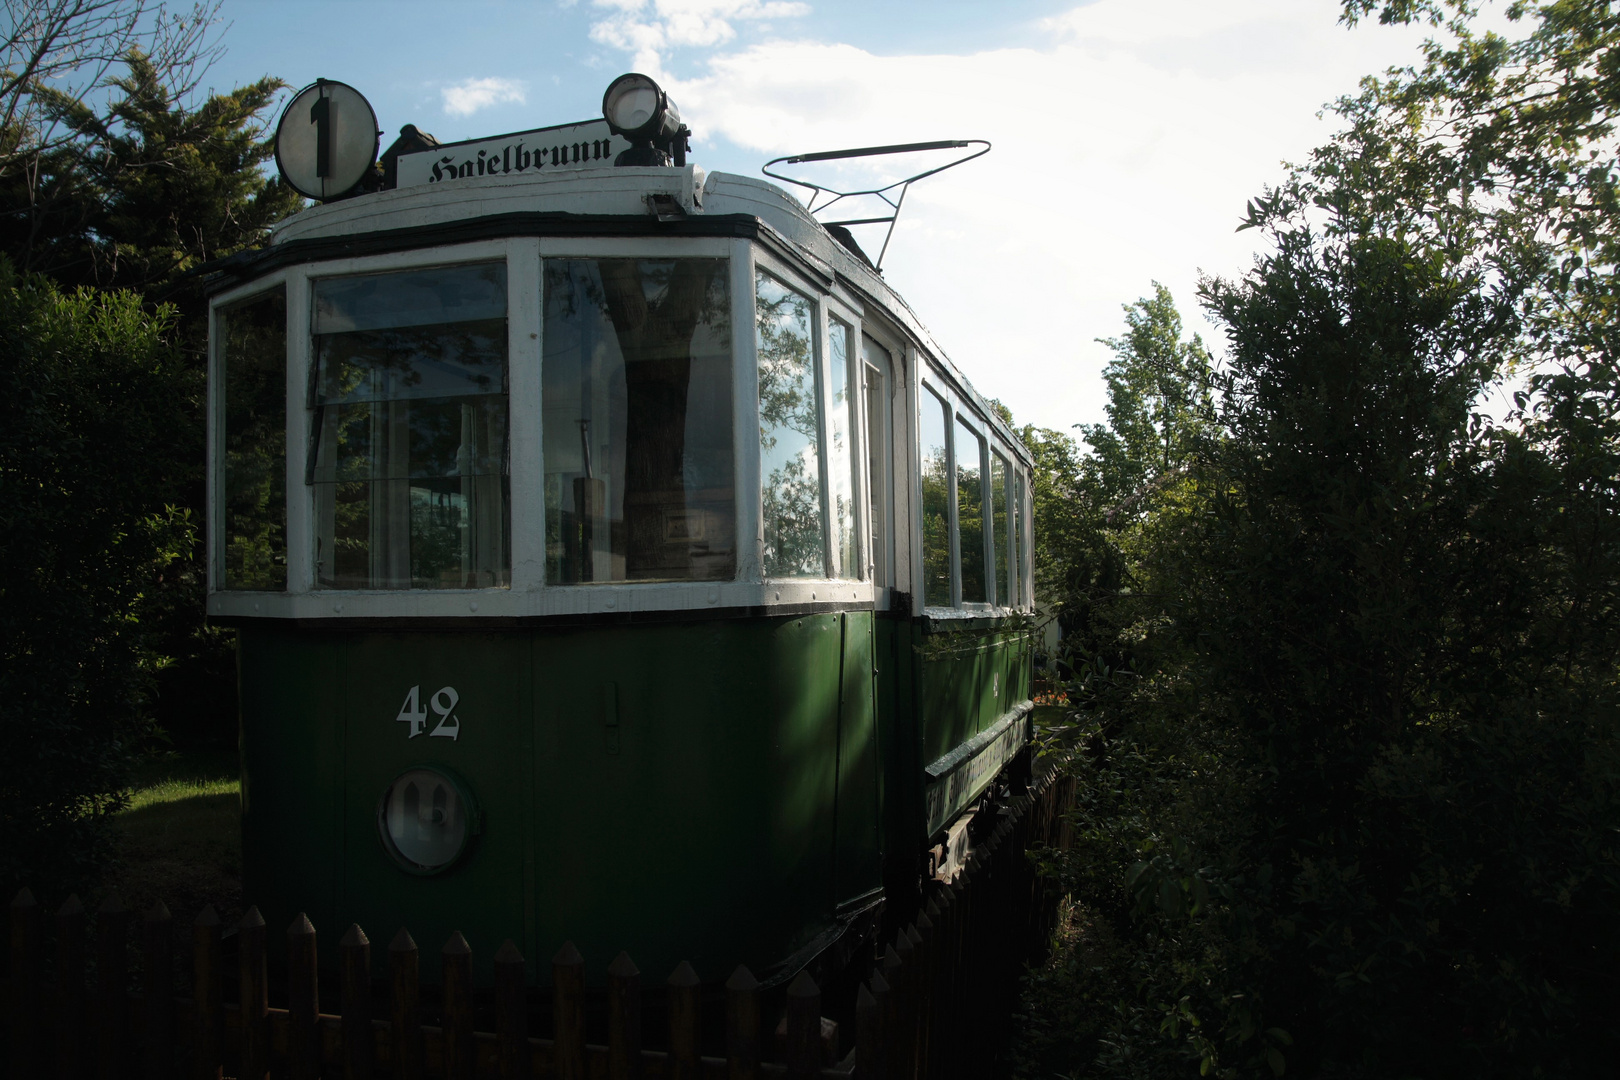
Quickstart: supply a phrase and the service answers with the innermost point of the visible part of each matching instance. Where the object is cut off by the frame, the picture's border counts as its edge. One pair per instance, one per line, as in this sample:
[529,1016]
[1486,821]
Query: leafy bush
[94,408]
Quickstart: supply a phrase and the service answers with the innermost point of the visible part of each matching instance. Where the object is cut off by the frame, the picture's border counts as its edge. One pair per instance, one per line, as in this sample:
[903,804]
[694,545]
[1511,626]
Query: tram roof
[600,202]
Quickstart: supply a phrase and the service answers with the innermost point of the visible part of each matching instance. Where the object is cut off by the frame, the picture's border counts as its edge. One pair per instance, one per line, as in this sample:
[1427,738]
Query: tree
[71,45]
[1158,403]
[139,192]
[1364,775]
[90,520]
[143,192]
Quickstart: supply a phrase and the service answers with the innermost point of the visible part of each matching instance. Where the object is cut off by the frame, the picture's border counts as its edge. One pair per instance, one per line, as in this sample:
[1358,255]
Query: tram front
[549,630]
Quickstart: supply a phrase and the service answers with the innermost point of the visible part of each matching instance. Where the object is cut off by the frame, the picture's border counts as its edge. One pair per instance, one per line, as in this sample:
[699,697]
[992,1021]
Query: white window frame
[933,393]
[1005,590]
[962,414]
[795,590]
[961,409]
[854,373]
[529,595]
[888,487]
[214,527]
[522,381]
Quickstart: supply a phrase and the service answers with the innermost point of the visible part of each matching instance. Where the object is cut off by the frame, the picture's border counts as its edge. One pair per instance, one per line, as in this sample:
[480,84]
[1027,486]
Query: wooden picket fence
[937,1002]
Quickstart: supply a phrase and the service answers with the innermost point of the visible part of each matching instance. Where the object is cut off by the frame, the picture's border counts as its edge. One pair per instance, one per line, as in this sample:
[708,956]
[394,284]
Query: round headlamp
[637,108]
[427,819]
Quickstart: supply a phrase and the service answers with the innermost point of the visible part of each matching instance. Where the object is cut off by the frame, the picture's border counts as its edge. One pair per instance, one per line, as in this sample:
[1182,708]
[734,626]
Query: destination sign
[588,144]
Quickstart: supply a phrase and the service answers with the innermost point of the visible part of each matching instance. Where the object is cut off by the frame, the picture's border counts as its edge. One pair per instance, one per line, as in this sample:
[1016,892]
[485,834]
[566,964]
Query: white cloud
[1126,146]
[471,95]
[649,28]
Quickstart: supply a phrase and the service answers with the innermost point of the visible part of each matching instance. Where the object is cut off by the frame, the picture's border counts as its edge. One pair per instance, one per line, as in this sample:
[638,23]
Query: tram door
[877,399]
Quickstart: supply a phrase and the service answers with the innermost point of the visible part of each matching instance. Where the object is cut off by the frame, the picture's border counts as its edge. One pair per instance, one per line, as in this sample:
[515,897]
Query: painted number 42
[443,703]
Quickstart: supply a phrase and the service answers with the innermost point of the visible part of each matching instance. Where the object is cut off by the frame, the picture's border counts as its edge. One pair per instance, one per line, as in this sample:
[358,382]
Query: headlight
[637,108]
[630,103]
[426,819]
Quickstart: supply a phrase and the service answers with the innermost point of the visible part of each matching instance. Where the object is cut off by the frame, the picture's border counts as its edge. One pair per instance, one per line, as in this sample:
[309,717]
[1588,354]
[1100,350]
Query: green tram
[615,559]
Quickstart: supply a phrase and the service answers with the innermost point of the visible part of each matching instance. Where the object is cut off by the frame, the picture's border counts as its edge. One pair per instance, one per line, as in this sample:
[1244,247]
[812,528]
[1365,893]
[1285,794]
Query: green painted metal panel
[671,790]
[707,835]
[968,679]
[859,868]
[292,753]
[482,895]
[706,791]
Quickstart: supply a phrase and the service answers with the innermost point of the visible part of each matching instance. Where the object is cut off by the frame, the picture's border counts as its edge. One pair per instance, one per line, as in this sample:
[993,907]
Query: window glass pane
[970,512]
[841,463]
[1000,479]
[409,467]
[636,392]
[1021,563]
[789,433]
[877,454]
[936,503]
[253,340]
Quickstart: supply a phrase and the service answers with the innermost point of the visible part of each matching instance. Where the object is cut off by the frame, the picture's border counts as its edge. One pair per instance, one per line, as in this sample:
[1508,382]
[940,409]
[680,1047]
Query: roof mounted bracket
[665,207]
[818,190]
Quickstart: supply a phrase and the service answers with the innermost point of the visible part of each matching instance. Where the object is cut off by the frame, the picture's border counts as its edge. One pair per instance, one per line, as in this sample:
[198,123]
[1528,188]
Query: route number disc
[326,139]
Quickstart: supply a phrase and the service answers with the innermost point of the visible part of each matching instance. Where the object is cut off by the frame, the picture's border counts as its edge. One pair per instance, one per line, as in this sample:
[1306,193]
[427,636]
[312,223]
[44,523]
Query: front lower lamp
[638,109]
[427,819]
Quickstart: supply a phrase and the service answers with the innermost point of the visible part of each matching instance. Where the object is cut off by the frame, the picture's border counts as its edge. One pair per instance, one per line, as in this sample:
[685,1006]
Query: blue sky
[1128,133]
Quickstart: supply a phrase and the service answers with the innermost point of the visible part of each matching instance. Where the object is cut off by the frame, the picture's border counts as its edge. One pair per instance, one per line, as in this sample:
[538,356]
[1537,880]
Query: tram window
[876,370]
[970,512]
[254,366]
[1019,541]
[636,393]
[789,433]
[936,502]
[409,463]
[841,461]
[1000,523]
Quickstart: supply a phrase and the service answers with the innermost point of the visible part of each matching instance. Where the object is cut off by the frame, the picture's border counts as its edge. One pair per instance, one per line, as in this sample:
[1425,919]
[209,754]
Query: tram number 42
[443,702]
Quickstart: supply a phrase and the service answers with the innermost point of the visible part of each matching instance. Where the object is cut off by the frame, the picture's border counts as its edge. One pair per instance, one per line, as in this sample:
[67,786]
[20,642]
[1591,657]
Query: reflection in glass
[1020,561]
[789,433]
[254,366]
[424,820]
[1000,493]
[409,467]
[636,392]
[841,464]
[936,503]
[970,512]
[876,368]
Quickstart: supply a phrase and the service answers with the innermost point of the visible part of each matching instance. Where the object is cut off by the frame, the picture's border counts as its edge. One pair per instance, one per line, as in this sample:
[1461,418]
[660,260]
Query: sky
[1128,135]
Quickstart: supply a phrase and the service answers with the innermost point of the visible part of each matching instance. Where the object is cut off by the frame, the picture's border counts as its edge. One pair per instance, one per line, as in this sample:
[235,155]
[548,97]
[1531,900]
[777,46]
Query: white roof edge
[611,190]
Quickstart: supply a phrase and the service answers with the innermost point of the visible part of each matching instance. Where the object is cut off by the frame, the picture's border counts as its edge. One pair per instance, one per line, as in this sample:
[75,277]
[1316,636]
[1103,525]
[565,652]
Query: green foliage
[1351,804]
[789,422]
[148,188]
[138,194]
[89,524]
[1158,404]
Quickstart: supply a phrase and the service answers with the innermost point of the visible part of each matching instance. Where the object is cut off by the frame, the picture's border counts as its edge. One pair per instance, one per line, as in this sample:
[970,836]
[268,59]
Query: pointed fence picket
[936,1003]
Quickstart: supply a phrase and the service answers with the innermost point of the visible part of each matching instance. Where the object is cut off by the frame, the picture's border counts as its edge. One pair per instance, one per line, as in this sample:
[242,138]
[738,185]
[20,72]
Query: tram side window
[1001,522]
[253,338]
[970,512]
[636,395]
[936,502]
[789,432]
[1021,563]
[876,370]
[841,462]
[410,399]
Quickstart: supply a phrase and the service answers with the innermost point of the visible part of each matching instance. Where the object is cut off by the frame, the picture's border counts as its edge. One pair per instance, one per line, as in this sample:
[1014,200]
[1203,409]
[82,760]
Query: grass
[180,837]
